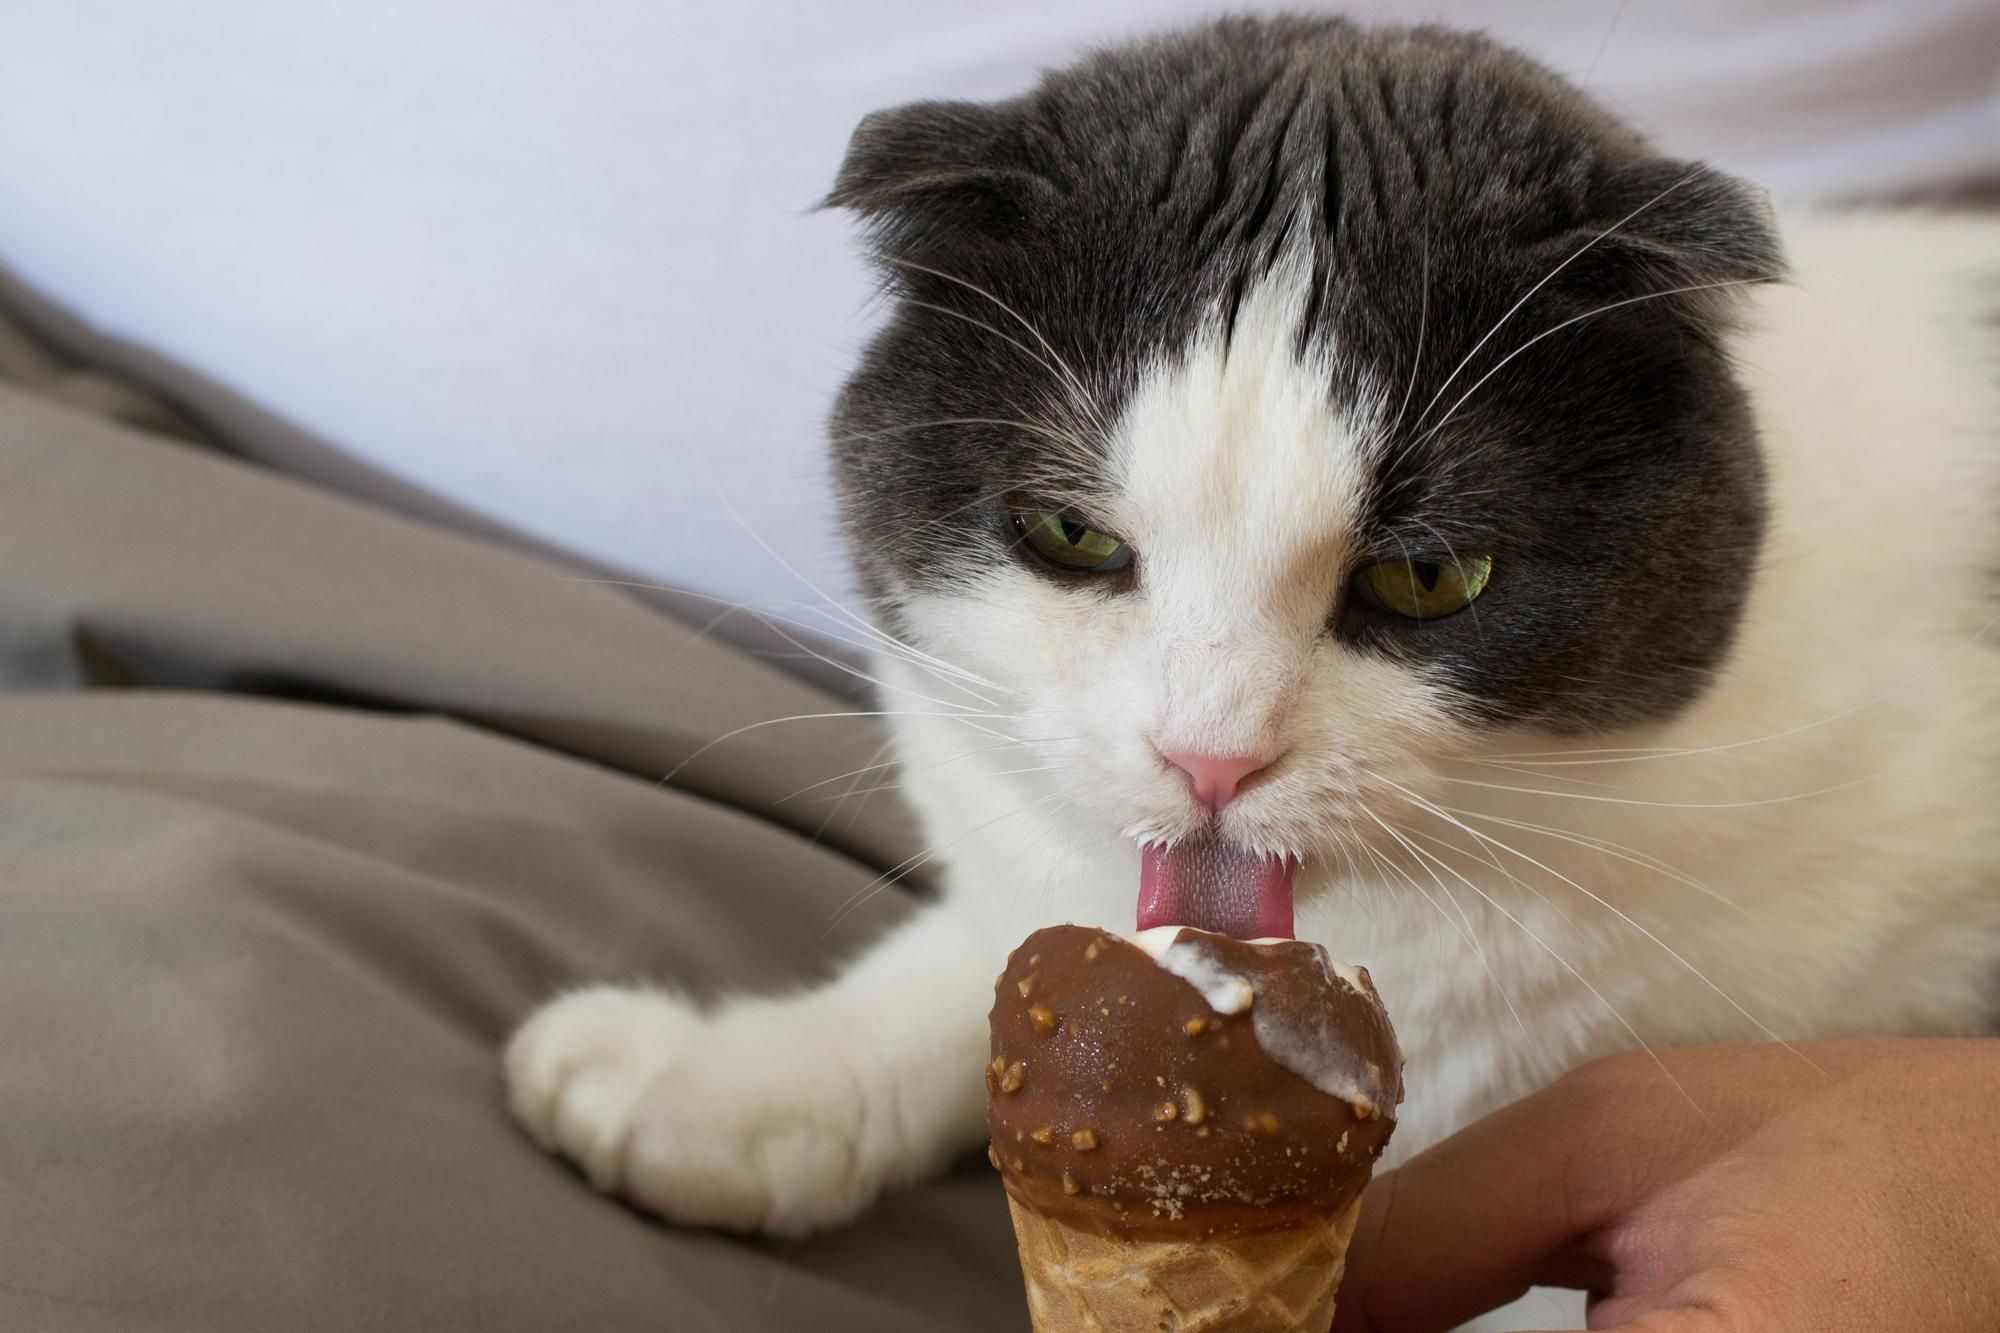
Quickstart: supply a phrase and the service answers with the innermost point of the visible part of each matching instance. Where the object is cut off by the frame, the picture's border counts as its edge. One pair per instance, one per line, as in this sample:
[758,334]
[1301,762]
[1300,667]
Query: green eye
[1425,589]
[1067,543]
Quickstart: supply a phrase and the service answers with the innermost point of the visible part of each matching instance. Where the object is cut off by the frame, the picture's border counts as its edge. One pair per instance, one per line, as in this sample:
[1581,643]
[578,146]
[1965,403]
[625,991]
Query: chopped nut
[1043,1018]
[1090,951]
[1069,1184]
[1201,1133]
[1084,1140]
[1167,1111]
[1196,1025]
[1016,1075]
[1197,1109]
[1263,1123]
[993,1155]
[1018,1164]
[1034,959]
[1027,984]
[1043,1135]
[992,1083]
[1365,1110]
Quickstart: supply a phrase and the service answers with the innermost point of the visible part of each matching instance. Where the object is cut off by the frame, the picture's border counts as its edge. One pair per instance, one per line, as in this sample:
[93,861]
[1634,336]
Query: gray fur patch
[1434,178]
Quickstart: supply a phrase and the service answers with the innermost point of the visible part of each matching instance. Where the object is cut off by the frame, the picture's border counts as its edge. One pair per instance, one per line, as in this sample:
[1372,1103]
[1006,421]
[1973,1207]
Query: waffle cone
[1275,1282]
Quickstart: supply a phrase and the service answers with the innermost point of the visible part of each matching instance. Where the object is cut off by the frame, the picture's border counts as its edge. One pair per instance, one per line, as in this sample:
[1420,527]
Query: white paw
[577,1066]
[745,1120]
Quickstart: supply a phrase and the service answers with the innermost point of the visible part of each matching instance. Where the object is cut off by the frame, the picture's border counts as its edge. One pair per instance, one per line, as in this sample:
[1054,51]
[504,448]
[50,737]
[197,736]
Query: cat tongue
[1209,884]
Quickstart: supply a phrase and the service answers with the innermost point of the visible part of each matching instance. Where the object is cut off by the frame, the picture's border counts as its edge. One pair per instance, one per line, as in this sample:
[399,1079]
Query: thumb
[1512,1201]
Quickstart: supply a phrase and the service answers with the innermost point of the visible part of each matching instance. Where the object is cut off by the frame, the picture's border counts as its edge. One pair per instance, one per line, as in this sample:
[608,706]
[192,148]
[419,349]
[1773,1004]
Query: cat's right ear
[933,177]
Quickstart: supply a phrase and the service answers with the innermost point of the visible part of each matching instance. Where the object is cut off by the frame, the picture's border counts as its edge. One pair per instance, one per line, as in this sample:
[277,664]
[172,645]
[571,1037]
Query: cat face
[1275,409]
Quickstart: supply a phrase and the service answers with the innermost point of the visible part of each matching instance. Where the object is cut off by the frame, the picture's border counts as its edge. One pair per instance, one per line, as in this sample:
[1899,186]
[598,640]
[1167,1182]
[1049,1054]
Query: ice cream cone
[1269,1282]
[1184,1124]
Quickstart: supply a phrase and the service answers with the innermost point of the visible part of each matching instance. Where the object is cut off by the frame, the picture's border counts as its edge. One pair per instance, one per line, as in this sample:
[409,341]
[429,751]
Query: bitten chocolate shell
[1197,1086]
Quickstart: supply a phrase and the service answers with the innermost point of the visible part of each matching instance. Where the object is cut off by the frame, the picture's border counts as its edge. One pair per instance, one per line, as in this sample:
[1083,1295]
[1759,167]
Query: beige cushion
[302,806]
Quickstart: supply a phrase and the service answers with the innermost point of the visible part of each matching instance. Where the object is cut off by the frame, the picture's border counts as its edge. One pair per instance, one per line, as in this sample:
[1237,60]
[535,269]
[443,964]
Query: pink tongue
[1206,883]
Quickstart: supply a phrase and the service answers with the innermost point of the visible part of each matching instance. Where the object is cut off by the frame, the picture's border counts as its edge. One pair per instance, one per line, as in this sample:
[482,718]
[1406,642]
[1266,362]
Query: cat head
[1273,409]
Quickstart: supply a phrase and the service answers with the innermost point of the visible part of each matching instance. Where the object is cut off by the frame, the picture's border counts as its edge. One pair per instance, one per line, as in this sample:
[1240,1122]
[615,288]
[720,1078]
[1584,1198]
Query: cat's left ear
[1681,225]
[936,176]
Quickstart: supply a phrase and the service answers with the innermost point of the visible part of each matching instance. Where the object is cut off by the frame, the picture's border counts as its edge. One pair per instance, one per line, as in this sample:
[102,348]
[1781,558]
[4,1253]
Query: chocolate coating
[1120,1102]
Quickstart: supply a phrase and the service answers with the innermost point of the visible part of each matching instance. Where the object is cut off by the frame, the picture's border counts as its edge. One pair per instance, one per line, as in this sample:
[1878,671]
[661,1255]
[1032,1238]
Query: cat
[1351,456]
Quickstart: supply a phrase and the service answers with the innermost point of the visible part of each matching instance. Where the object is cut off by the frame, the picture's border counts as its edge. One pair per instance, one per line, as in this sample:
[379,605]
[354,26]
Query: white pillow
[555,262]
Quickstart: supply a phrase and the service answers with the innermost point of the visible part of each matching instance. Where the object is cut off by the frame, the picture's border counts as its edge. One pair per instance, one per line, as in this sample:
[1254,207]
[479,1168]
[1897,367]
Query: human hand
[1857,1193]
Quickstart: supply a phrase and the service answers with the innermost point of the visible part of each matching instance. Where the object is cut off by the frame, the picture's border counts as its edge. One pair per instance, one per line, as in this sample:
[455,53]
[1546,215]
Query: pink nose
[1214,779]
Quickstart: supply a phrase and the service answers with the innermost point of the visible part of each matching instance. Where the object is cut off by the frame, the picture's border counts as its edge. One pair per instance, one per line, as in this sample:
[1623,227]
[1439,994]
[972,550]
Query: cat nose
[1215,778]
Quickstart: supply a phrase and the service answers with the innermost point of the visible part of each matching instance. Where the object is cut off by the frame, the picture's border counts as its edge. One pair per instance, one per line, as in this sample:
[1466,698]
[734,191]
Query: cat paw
[732,1120]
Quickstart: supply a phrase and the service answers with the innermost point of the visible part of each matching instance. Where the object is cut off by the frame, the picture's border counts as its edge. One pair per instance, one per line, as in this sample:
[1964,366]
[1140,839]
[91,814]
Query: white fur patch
[1241,486]
[1240,483]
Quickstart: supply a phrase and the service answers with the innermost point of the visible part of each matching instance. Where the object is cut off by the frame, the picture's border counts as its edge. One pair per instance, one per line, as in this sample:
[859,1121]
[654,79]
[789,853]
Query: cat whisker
[947,673]
[1030,427]
[876,681]
[1534,772]
[1609,906]
[1525,763]
[1545,280]
[1468,934]
[1565,964]
[1486,856]
[1666,805]
[874,761]
[874,767]
[760,613]
[1080,403]
[1384,867]
[1452,412]
[1073,379]
[707,628]
[866,626]
[911,864]
[1604,43]
[1002,773]
[836,713]
[1608,848]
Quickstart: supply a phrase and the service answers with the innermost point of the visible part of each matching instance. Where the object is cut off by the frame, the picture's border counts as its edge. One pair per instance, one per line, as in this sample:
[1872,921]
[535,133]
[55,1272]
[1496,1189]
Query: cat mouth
[1209,883]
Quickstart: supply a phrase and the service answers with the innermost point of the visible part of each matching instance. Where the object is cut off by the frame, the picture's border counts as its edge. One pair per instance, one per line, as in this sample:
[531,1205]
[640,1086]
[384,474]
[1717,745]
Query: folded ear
[1680,225]
[933,176]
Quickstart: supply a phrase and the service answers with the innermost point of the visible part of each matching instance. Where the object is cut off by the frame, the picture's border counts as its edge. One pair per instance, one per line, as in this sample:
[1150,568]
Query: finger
[1513,1200]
